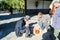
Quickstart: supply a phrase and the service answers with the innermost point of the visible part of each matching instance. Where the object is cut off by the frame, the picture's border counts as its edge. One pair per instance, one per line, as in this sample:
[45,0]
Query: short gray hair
[27,17]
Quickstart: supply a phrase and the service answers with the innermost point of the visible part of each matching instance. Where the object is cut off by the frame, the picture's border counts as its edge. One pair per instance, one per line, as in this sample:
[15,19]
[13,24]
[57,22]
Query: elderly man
[23,26]
[56,19]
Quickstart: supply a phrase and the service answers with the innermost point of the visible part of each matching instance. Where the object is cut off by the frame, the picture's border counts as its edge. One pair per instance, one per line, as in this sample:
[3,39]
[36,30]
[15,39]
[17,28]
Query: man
[56,19]
[52,7]
[52,3]
[23,26]
[43,21]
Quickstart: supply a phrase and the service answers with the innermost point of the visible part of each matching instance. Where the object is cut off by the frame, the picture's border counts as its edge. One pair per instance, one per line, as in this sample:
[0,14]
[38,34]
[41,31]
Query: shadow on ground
[49,35]
[7,28]
[4,17]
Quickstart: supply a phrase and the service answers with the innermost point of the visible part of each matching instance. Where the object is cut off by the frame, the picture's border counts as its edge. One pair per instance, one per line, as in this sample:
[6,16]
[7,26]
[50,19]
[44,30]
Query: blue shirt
[56,18]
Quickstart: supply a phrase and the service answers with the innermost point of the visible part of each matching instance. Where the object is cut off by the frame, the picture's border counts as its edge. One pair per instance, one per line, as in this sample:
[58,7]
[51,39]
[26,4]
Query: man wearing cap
[22,26]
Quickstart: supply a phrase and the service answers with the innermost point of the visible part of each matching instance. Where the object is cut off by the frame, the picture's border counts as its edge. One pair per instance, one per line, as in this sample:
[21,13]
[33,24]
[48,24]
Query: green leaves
[15,4]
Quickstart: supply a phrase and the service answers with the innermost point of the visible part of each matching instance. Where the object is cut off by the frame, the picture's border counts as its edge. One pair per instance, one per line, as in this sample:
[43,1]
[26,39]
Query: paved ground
[12,36]
[7,31]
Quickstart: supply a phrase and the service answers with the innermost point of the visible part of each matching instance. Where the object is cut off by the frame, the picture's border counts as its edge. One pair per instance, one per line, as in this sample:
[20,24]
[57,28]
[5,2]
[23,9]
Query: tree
[3,5]
[15,4]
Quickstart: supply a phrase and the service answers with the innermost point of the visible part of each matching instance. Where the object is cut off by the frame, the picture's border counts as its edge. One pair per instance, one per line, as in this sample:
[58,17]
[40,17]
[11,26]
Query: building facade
[34,6]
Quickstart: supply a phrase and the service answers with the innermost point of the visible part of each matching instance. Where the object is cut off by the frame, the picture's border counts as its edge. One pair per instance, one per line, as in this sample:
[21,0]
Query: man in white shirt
[43,21]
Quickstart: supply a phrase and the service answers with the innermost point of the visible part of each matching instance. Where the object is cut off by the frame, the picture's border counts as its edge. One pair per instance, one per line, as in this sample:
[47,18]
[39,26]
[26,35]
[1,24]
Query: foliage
[15,4]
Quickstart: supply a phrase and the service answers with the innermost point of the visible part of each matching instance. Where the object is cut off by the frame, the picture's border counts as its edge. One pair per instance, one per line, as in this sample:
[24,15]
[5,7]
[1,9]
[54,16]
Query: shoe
[19,35]
[29,36]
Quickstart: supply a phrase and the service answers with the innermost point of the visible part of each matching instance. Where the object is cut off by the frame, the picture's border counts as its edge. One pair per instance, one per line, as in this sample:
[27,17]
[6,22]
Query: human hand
[27,24]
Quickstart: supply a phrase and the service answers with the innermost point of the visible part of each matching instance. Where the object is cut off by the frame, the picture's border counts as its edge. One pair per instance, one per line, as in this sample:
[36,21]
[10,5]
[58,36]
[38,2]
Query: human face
[40,15]
[56,4]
